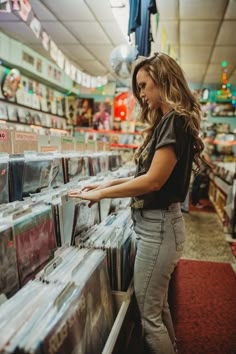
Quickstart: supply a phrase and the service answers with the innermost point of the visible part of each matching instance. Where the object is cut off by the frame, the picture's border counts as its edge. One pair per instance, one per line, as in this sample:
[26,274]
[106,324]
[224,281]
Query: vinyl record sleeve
[36,176]
[35,243]
[4,190]
[9,283]
[16,171]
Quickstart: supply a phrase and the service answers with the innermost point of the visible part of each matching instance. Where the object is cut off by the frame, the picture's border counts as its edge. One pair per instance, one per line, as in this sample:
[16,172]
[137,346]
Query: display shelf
[87,130]
[125,146]
[33,109]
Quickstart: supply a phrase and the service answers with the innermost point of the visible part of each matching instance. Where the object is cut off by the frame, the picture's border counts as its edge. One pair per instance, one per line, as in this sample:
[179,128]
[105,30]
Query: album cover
[9,283]
[35,242]
[84,218]
[12,113]
[16,171]
[57,173]
[3,111]
[76,168]
[36,176]
[4,188]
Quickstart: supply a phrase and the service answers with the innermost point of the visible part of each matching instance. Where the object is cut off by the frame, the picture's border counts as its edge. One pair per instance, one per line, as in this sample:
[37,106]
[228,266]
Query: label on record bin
[3,135]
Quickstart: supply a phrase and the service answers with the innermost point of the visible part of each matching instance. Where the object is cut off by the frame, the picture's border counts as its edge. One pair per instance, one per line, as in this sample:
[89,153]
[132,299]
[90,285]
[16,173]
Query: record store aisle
[202,291]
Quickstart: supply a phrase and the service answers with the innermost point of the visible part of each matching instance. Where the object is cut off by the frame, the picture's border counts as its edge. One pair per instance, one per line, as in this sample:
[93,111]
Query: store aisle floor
[205,239]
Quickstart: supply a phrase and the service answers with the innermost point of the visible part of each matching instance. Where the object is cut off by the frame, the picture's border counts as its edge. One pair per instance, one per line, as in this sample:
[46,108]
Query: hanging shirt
[143,35]
[134,15]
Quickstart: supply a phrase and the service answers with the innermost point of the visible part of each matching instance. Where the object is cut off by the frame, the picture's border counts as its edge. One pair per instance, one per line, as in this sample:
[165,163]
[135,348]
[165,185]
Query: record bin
[122,328]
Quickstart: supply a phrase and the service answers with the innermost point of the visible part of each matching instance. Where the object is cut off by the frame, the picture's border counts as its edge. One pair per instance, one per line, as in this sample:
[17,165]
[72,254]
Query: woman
[160,184]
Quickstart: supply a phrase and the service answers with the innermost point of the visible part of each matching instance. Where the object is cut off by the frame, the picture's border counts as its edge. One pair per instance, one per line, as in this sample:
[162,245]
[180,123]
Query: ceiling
[201,33]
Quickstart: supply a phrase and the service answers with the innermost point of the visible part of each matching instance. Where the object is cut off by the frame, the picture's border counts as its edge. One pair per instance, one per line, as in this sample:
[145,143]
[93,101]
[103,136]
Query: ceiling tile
[231,10]
[223,54]
[69,10]
[6,17]
[214,69]
[100,9]
[93,67]
[19,31]
[114,33]
[198,32]
[195,55]
[102,52]
[202,9]
[232,79]
[171,29]
[227,34]
[88,32]
[42,12]
[168,9]
[75,51]
[58,32]
[194,71]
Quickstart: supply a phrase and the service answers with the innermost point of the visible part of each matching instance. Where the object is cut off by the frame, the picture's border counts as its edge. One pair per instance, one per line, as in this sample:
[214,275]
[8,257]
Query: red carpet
[204,307]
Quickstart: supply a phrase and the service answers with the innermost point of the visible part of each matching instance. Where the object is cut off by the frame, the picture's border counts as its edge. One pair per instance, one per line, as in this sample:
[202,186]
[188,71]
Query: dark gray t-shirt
[171,130]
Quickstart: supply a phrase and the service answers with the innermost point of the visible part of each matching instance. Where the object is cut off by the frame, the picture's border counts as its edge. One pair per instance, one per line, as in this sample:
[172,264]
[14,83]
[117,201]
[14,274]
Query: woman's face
[148,90]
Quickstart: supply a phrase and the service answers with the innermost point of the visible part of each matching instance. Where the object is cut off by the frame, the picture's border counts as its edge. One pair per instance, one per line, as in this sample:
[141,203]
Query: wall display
[84,114]
[223,110]
[102,117]
[3,111]
[12,113]
[10,83]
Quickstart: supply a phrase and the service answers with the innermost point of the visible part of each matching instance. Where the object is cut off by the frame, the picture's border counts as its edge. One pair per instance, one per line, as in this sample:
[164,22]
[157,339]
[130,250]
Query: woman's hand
[96,186]
[93,196]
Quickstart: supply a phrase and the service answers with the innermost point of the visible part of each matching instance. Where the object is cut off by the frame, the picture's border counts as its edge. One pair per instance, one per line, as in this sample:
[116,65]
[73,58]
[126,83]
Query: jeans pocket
[151,215]
[179,232]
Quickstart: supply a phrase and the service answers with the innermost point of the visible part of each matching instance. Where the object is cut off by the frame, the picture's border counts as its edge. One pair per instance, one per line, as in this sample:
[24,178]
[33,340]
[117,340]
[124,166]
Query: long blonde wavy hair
[175,93]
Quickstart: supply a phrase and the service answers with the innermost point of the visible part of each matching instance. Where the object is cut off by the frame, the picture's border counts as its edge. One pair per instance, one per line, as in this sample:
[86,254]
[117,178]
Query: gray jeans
[160,240]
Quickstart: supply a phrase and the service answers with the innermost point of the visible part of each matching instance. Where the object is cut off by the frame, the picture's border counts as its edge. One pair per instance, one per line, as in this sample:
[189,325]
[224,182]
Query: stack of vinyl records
[115,235]
[68,309]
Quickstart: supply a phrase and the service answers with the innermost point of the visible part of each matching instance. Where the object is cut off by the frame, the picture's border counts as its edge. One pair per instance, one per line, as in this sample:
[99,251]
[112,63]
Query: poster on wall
[223,110]
[84,114]
[102,118]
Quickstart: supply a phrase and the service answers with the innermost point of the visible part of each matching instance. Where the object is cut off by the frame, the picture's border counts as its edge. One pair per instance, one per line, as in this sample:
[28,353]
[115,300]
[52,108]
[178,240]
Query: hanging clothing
[143,35]
[134,15]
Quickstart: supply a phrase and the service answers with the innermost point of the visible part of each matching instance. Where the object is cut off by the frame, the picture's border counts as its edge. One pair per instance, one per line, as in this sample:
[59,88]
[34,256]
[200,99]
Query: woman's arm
[106,184]
[162,165]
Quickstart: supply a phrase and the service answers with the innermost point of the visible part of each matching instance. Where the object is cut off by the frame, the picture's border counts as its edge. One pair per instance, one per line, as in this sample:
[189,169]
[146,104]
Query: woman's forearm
[131,188]
[117,181]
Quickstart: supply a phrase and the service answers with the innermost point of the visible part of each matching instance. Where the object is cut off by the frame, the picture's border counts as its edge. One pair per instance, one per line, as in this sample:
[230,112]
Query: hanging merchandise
[10,83]
[35,25]
[143,35]
[5,6]
[25,9]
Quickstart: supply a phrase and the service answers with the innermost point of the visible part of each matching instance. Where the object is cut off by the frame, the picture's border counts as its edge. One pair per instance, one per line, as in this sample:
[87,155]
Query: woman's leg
[157,256]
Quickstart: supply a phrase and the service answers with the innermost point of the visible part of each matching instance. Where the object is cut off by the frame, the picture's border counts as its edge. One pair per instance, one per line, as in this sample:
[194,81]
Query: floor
[205,238]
